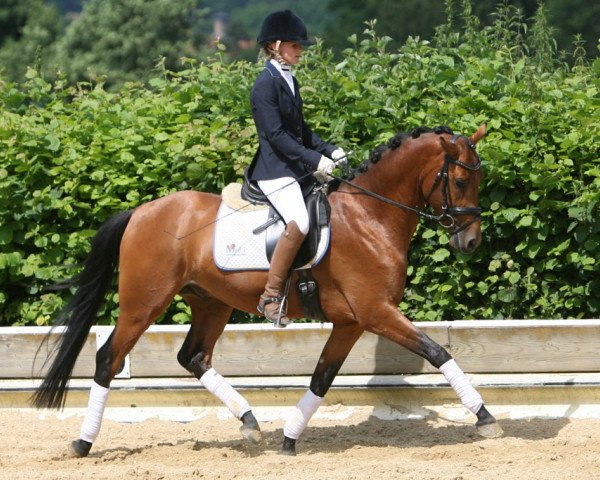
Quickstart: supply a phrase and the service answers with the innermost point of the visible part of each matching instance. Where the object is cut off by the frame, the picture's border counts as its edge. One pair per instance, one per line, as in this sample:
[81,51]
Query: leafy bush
[74,156]
[71,156]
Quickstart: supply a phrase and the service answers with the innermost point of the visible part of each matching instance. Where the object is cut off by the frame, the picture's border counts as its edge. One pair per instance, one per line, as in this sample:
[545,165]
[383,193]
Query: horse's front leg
[338,346]
[395,326]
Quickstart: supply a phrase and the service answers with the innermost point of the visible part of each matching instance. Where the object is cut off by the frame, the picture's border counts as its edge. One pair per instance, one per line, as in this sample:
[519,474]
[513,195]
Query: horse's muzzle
[467,240]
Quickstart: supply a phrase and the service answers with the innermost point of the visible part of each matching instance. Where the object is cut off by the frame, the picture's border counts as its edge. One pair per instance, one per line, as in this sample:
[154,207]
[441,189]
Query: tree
[28,30]
[400,18]
[13,16]
[67,6]
[572,17]
[124,40]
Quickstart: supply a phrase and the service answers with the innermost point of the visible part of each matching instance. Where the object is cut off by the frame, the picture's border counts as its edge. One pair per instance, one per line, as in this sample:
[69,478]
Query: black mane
[392,144]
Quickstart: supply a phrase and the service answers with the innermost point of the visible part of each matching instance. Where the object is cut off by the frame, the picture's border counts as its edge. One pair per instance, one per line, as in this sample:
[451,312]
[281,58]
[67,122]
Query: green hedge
[71,156]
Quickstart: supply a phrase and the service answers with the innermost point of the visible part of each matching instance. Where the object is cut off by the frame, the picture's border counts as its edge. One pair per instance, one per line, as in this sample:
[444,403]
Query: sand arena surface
[359,446]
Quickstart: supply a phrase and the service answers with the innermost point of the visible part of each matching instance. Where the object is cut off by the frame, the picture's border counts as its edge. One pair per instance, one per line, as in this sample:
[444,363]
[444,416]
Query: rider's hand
[324,168]
[339,156]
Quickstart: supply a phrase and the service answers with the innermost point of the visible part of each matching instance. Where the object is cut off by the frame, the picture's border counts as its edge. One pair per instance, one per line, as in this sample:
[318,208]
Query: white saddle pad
[235,247]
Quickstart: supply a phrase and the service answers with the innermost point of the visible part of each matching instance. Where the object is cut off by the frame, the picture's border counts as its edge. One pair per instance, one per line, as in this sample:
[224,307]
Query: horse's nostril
[472,245]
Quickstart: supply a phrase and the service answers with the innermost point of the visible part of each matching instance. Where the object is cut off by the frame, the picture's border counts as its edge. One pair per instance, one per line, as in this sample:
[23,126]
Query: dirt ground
[362,446]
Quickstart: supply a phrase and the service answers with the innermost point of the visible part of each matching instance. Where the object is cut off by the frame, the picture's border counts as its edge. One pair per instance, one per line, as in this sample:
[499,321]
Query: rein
[446,218]
[393,203]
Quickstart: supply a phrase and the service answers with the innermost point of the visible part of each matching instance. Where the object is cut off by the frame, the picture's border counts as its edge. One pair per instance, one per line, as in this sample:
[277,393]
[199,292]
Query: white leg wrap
[457,379]
[219,387]
[93,415]
[302,413]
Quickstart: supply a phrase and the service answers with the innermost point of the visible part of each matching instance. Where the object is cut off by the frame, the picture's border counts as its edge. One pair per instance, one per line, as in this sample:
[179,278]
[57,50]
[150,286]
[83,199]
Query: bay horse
[164,248]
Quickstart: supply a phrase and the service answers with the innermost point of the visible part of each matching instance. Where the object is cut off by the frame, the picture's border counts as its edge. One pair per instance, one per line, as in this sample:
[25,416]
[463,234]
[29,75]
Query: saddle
[239,244]
[317,205]
[318,209]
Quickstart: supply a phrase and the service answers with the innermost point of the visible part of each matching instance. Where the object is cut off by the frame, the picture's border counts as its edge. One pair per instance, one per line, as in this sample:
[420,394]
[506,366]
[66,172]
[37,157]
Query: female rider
[288,149]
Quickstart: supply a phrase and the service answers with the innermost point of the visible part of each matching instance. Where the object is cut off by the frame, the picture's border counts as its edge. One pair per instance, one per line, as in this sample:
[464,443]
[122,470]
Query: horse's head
[453,189]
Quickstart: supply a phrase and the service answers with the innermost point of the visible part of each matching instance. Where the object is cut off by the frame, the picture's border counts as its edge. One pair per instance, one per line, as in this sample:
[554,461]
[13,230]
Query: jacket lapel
[284,85]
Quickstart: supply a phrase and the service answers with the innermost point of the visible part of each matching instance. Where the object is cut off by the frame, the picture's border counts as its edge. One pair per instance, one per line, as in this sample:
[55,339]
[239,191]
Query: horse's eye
[460,182]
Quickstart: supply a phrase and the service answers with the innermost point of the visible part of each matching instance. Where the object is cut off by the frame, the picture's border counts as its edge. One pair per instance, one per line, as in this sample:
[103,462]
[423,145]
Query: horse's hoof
[79,448]
[489,430]
[250,429]
[486,425]
[289,453]
[251,434]
[289,447]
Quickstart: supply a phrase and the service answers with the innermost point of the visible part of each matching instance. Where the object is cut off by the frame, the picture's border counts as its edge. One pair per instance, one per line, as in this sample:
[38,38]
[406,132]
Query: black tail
[80,313]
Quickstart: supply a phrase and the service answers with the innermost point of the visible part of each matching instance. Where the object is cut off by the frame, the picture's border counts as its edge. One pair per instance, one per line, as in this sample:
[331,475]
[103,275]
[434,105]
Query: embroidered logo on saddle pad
[237,247]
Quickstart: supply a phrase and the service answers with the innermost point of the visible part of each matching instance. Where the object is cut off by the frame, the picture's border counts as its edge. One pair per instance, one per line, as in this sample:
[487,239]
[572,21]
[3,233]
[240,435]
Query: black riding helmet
[284,25]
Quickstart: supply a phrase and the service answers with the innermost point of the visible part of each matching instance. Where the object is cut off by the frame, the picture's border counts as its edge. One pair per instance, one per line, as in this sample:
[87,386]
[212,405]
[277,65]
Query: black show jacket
[287,147]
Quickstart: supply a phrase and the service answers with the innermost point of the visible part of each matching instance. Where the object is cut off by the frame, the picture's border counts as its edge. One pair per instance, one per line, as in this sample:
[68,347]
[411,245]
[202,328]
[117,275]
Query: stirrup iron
[282,301]
[282,310]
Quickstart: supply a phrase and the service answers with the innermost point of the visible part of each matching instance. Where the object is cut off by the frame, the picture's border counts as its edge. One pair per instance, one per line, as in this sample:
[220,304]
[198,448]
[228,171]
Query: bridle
[446,218]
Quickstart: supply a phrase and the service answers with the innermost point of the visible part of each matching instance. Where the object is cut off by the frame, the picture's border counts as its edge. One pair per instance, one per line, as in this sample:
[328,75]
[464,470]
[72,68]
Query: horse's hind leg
[139,308]
[109,360]
[209,317]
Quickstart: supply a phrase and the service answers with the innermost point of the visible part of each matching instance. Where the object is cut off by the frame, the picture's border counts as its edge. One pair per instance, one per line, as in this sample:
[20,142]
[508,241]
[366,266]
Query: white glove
[339,156]
[324,168]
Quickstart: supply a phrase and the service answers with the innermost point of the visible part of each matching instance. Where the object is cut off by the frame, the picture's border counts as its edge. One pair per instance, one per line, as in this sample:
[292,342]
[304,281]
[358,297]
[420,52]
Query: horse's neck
[397,177]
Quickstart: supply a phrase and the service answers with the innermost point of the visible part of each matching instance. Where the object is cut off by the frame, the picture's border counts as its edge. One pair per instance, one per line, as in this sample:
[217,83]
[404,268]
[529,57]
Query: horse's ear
[451,148]
[479,134]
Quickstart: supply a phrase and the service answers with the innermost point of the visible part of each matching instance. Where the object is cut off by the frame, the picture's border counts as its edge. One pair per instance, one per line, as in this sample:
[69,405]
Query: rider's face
[290,52]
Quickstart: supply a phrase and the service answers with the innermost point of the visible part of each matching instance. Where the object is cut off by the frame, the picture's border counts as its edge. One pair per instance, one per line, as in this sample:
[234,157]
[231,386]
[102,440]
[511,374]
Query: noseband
[446,219]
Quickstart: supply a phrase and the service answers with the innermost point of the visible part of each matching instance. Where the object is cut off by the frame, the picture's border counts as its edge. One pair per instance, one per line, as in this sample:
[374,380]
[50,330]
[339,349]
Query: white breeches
[286,196]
